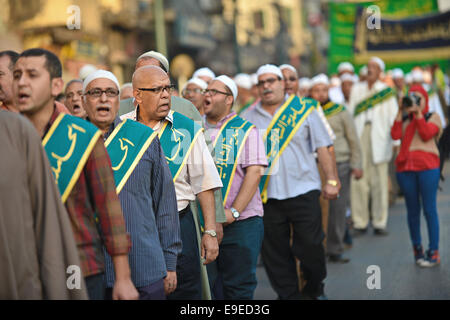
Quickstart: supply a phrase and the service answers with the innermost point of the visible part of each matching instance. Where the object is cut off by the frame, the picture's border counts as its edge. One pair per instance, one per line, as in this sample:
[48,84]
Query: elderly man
[294,132]
[193,91]
[186,108]
[37,245]
[126,91]
[206,74]
[7,61]
[74,93]
[240,174]
[290,77]
[374,107]
[348,159]
[145,189]
[192,169]
[82,170]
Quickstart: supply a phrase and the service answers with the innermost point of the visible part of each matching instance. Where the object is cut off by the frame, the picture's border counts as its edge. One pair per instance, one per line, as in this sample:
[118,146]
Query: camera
[409,100]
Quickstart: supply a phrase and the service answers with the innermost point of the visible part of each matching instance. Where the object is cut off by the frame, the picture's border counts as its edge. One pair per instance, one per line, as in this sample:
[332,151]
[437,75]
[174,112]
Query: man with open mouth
[74,93]
[90,197]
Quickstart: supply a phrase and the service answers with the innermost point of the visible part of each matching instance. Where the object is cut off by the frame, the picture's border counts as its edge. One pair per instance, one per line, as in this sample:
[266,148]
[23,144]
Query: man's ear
[229,101]
[57,85]
[137,95]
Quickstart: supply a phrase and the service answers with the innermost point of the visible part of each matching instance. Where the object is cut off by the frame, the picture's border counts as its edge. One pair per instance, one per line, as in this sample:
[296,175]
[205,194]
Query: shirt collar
[260,109]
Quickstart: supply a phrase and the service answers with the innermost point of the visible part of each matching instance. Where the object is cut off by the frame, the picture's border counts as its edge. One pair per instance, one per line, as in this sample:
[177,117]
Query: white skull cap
[345,66]
[243,80]
[229,83]
[269,68]
[320,79]
[100,74]
[158,56]
[204,72]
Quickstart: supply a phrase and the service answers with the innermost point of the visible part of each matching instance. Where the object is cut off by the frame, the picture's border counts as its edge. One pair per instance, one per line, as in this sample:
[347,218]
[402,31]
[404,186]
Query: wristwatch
[212,233]
[332,182]
[236,214]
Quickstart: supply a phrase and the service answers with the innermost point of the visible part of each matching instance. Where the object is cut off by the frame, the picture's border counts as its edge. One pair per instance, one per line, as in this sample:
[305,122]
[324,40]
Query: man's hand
[229,216]
[170,282]
[330,192]
[210,248]
[219,231]
[124,290]
[357,173]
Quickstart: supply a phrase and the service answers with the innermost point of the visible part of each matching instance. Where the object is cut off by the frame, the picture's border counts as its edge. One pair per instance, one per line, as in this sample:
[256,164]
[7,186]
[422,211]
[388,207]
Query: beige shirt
[198,174]
[346,145]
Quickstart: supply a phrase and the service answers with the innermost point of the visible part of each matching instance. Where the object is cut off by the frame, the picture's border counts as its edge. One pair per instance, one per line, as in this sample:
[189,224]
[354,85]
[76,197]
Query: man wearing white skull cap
[244,230]
[288,193]
[374,107]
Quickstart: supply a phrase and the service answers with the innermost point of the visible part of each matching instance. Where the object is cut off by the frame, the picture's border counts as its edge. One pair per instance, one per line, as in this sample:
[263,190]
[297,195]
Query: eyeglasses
[292,79]
[158,90]
[70,95]
[269,81]
[97,92]
[213,92]
[189,91]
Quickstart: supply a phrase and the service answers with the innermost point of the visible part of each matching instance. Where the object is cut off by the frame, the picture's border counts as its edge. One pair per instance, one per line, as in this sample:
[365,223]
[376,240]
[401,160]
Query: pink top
[253,153]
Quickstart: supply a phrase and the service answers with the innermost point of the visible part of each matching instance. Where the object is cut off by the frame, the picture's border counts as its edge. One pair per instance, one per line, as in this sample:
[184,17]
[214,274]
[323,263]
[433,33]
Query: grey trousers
[338,208]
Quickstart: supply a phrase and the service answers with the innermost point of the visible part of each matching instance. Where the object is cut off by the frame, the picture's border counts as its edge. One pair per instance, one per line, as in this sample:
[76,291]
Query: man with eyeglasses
[145,188]
[74,93]
[193,171]
[291,186]
[193,91]
[186,108]
[82,170]
[240,160]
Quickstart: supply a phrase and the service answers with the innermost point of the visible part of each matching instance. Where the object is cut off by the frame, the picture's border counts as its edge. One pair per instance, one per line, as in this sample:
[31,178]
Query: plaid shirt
[95,192]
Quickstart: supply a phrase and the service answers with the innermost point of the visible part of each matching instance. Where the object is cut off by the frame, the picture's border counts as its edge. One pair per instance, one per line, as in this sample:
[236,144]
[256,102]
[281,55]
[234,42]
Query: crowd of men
[155,196]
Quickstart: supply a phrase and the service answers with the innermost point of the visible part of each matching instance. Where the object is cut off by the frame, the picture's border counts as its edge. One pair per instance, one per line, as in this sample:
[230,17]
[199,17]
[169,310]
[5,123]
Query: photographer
[418,169]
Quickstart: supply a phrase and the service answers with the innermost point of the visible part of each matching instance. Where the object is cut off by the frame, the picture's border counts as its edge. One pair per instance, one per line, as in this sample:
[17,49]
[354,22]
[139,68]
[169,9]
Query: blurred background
[229,36]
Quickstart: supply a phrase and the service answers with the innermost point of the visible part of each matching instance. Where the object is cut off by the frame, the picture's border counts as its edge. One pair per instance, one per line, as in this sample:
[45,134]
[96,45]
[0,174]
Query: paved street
[400,277]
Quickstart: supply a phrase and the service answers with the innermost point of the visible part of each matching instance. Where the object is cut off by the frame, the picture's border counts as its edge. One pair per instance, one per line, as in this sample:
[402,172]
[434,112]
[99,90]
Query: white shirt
[198,174]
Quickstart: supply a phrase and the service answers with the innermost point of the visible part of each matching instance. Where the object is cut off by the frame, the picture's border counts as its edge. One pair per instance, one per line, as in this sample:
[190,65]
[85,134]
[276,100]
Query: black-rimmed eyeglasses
[157,90]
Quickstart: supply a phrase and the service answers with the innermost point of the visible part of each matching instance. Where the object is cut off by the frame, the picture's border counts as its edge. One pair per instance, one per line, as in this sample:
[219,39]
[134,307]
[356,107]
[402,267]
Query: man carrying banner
[82,170]
[240,159]
[193,171]
[374,107]
[348,160]
[291,186]
[145,188]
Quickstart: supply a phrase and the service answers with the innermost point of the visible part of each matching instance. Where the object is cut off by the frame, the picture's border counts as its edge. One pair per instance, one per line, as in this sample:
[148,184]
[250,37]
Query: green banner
[342,25]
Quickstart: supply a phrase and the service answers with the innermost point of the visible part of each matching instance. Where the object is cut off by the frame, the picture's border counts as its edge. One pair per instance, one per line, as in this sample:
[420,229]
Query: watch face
[236,214]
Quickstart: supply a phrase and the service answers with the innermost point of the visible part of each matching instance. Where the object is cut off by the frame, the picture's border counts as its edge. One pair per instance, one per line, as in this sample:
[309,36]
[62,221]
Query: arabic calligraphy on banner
[403,40]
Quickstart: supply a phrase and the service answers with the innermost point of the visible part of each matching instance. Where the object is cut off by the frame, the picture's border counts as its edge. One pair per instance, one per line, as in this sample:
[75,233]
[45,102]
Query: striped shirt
[150,210]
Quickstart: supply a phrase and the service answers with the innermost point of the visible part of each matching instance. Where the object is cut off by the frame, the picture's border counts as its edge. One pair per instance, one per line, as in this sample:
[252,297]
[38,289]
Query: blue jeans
[417,187]
[238,256]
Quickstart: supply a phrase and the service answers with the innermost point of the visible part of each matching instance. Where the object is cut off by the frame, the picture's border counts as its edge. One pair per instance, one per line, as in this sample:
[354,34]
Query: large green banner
[343,23]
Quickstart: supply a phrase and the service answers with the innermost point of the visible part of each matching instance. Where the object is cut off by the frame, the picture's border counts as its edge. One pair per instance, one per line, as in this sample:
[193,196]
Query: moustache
[267,91]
